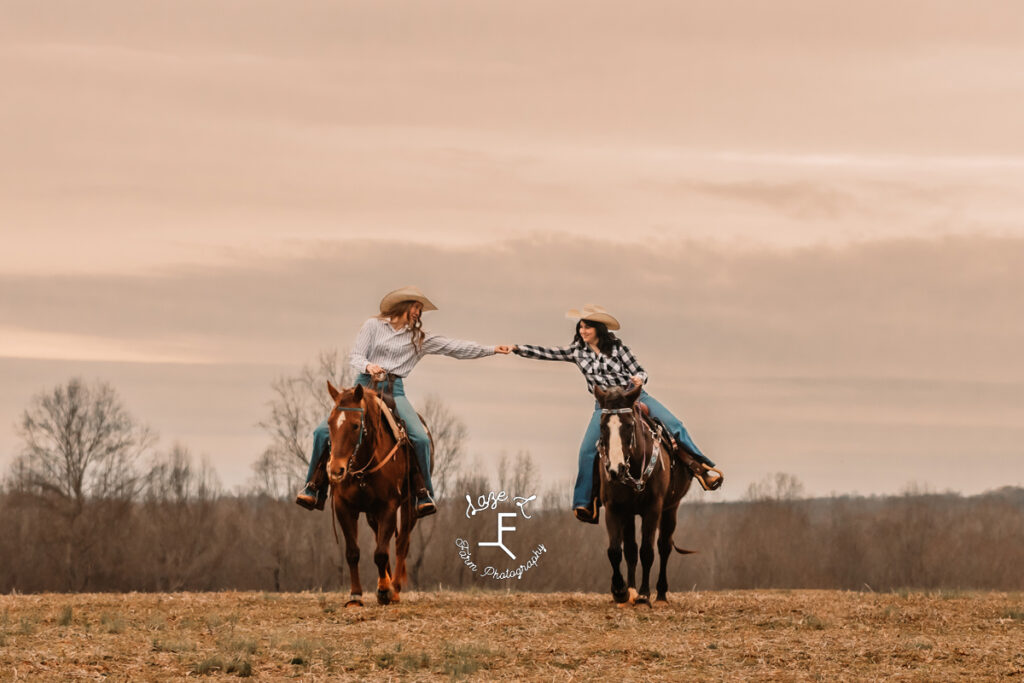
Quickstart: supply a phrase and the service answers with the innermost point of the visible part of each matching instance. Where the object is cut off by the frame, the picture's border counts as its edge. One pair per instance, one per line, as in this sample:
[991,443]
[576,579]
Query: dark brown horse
[639,477]
[370,472]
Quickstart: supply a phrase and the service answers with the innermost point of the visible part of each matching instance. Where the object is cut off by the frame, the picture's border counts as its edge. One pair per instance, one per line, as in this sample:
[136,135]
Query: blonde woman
[387,348]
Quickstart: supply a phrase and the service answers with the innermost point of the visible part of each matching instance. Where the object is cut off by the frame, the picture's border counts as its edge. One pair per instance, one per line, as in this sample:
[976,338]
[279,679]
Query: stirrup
[425,505]
[306,500]
[590,514]
[715,483]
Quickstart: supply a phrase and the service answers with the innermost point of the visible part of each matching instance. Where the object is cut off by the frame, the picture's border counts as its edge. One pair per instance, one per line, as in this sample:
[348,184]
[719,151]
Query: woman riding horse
[605,361]
[386,350]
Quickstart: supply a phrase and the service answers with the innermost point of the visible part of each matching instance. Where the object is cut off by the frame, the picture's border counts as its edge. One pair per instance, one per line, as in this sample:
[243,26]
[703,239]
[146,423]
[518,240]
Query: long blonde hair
[400,309]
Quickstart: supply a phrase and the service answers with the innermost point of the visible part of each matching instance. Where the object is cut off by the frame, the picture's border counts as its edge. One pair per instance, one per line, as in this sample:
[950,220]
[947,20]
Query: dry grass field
[474,635]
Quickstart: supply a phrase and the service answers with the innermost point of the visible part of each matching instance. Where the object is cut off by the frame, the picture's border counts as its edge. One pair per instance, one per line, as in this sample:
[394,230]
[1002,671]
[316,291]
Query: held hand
[504,348]
[374,370]
[635,379]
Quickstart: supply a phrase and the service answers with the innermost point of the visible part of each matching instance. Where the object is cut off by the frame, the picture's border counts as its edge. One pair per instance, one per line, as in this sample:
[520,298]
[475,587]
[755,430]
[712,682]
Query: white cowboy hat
[594,313]
[410,293]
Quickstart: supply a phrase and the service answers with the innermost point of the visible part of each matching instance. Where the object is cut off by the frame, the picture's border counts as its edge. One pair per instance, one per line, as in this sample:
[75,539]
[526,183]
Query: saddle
[678,454]
[386,401]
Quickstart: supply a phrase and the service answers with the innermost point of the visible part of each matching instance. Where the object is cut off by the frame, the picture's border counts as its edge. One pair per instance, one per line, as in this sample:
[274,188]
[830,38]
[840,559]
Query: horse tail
[682,551]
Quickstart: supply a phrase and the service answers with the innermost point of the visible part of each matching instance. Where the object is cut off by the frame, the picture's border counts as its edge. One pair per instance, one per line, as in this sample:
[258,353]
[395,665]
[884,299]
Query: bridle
[361,472]
[647,469]
[359,442]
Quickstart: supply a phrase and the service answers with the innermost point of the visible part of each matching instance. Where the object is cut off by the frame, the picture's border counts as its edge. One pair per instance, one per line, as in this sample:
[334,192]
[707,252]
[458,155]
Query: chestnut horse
[370,472]
[638,477]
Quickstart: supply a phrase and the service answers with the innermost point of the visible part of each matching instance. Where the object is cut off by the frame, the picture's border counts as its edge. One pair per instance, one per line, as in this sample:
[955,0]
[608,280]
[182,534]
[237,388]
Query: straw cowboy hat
[410,293]
[594,313]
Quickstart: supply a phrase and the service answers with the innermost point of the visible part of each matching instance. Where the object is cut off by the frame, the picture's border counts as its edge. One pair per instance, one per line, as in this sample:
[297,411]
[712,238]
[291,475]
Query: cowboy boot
[591,514]
[709,477]
[425,503]
[308,496]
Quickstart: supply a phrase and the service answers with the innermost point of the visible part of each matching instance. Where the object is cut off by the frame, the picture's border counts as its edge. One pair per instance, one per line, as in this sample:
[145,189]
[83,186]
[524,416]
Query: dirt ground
[474,635]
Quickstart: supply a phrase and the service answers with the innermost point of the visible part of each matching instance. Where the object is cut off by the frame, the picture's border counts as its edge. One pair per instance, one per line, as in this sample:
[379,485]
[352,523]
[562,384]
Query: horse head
[620,441]
[352,423]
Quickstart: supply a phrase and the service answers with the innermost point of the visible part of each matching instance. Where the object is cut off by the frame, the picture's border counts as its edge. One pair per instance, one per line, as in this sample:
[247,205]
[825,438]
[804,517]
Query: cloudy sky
[809,217]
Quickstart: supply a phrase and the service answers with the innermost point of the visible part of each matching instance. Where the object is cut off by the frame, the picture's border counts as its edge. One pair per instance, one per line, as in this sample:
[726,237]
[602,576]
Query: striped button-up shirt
[613,369]
[380,344]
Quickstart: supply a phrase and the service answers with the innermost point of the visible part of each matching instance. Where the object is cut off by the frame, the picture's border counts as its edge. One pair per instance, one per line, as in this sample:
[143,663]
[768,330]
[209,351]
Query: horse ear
[358,396]
[600,393]
[332,391]
[634,393]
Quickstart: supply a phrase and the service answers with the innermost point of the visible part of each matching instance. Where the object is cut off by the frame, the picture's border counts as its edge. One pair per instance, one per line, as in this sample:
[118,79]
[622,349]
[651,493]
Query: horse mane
[616,397]
[373,417]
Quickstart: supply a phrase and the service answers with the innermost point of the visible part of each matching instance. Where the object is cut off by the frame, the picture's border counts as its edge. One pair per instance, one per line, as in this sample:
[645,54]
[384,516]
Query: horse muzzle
[335,476]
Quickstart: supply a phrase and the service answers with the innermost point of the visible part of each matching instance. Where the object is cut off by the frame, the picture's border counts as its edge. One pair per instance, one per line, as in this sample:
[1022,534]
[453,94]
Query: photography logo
[500,557]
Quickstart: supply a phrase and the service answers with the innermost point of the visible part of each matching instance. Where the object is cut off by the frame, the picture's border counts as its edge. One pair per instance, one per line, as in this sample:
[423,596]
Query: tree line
[90,504]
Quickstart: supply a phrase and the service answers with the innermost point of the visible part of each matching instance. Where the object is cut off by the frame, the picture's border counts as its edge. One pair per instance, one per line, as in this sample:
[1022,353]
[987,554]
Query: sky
[809,218]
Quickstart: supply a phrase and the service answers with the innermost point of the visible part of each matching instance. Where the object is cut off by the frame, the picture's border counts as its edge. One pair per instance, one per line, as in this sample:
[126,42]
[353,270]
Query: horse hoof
[633,596]
[354,602]
[643,600]
[620,596]
[383,597]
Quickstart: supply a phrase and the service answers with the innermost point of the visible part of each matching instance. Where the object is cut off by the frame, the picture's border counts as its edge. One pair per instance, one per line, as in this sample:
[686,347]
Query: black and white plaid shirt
[606,370]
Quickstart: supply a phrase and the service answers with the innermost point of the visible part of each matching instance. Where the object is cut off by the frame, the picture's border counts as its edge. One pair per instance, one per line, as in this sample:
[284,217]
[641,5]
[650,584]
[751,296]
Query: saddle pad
[396,429]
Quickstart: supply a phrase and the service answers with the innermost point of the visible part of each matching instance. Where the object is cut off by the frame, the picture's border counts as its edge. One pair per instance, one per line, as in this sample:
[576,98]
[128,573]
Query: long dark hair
[397,311]
[606,341]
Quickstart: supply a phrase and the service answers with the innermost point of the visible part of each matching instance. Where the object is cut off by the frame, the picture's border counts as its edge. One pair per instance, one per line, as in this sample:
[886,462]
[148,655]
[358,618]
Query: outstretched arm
[543,352]
[456,348]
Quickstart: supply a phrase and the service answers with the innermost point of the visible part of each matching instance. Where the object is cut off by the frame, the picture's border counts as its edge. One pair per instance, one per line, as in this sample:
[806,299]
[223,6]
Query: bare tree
[779,486]
[173,477]
[519,476]
[300,403]
[180,498]
[79,455]
[80,443]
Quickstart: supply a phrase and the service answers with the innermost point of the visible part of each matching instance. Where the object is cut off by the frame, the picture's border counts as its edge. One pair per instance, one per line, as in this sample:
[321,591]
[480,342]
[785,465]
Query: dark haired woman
[386,350]
[607,362]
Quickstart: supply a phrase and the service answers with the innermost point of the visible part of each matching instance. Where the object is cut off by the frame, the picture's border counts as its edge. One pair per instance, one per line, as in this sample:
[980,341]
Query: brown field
[475,635]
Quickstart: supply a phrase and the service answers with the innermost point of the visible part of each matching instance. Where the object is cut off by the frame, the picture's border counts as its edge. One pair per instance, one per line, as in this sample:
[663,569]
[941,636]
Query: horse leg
[614,525]
[668,527]
[349,522]
[407,522]
[629,543]
[648,527]
[385,531]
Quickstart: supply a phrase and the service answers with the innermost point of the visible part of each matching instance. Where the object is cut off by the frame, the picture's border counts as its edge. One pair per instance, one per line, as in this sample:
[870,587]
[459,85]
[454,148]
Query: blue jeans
[413,427]
[584,489]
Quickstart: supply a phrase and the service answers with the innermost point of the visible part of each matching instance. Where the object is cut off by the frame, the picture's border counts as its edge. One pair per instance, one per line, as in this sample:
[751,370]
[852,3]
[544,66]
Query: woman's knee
[419,438]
